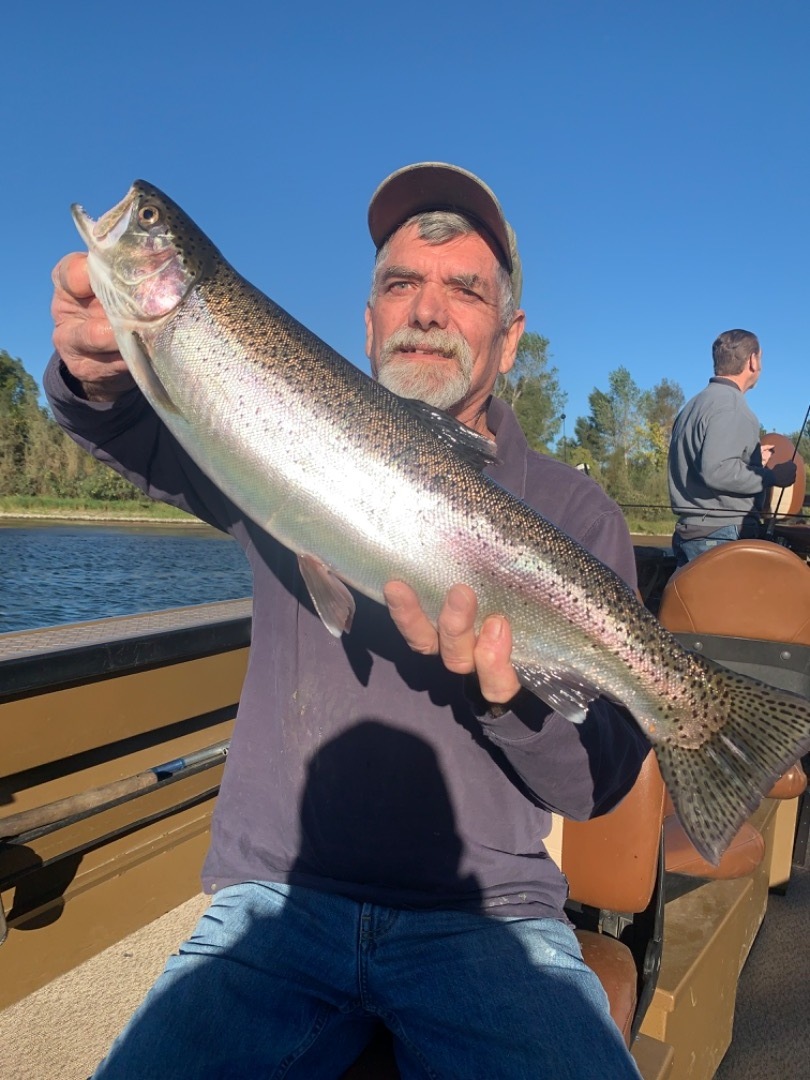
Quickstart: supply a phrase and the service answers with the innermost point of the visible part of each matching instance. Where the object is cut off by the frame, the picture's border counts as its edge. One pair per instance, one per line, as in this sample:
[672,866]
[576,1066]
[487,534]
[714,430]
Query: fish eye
[149,215]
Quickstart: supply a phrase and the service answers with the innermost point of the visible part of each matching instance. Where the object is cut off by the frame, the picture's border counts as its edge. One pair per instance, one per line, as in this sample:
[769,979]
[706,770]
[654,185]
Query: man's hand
[82,333]
[784,474]
[454,639]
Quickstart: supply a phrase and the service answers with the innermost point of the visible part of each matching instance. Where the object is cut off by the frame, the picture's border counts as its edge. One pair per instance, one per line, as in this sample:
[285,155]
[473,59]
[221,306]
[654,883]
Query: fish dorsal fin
[476,449]
[140,365]
[567,692]
[333,602]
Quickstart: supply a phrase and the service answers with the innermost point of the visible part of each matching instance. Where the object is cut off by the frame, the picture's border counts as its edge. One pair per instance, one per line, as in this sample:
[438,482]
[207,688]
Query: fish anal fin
[333,601]
[564,691]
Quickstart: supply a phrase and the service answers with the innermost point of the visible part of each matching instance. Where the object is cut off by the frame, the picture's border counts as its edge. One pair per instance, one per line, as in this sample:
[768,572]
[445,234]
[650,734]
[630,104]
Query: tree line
[37,458]
[622,442]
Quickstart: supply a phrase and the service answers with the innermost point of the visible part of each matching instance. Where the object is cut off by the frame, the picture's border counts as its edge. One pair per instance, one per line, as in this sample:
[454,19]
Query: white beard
[441,384]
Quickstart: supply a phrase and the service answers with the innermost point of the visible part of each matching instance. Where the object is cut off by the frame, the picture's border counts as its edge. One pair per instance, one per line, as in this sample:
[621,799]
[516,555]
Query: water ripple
[55,574]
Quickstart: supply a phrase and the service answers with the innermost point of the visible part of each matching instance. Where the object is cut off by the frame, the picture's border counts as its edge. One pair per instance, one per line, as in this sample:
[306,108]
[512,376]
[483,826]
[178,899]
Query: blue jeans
[686,550]
[280,981]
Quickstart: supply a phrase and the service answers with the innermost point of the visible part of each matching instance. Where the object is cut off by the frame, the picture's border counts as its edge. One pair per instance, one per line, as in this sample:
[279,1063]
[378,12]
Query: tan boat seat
[612,864]
[791,784]
[743,855]
[746,588]
[751,589]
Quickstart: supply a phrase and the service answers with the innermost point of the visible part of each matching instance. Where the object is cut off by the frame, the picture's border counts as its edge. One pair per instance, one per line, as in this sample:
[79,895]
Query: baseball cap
[435,185]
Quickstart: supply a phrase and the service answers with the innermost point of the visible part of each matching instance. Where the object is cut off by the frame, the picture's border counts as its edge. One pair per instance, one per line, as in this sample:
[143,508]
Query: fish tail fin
[748,735]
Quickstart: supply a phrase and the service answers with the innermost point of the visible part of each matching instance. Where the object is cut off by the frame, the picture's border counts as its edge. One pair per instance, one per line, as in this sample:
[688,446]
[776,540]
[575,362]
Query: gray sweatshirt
[716,475]
[358,767]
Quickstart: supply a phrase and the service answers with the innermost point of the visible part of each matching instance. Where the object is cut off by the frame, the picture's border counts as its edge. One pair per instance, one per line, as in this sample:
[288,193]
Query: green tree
[532,388]
[627,437]
[659,407]
[588,434]
[19,413]
[37,457]
[611,432]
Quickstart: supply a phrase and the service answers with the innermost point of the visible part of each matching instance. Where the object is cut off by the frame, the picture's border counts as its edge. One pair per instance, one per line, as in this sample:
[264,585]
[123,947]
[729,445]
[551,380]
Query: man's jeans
[686,550]
[281,981]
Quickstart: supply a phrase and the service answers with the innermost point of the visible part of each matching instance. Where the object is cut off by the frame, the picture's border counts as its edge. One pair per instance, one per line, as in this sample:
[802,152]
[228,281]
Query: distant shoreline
[92,517]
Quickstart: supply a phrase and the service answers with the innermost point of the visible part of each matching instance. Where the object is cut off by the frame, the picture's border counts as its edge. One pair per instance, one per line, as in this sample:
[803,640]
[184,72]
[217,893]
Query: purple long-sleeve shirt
[356,765]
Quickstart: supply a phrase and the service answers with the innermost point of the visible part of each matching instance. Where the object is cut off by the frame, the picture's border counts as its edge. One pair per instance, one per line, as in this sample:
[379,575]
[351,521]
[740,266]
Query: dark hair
[731,351]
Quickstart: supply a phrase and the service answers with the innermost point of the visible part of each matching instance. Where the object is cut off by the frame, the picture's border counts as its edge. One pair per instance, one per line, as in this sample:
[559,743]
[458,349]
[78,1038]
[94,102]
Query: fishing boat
[114,737]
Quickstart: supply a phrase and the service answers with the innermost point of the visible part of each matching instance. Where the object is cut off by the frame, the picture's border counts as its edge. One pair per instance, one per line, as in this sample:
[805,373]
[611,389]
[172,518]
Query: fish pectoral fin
[140,365]
[565,691]
[476,449]
[333,602]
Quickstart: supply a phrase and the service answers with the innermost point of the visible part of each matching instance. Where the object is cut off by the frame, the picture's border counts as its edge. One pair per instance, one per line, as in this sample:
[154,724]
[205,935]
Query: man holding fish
[377,846]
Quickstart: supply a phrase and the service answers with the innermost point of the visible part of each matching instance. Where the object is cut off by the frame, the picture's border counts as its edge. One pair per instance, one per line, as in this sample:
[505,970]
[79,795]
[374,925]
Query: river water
[53,574]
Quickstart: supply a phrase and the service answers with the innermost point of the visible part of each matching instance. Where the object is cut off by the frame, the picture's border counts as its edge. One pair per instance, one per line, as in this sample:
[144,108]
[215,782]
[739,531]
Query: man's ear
[369,333]
[511,341]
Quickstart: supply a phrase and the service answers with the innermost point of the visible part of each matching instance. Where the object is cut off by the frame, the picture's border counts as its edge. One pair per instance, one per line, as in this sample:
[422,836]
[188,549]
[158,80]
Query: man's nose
[429,307]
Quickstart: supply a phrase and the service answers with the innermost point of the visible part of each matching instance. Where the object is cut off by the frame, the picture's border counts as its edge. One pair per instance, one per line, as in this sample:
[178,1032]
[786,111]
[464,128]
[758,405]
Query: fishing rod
[771,526]
[66,811]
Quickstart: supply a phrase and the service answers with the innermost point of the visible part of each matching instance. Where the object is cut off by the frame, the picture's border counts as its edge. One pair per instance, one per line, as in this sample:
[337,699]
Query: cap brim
[433,185]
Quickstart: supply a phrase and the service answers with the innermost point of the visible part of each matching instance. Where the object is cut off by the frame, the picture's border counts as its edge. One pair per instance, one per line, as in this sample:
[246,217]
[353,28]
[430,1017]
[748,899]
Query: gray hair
[437,227]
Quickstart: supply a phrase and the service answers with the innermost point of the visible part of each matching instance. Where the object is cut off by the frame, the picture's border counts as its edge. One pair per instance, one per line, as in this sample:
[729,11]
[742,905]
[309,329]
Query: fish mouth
[107,230]
[129,257]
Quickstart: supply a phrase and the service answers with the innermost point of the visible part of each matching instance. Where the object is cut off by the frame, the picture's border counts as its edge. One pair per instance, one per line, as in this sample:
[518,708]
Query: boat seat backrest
[611,861]
[612,864]
[744,589]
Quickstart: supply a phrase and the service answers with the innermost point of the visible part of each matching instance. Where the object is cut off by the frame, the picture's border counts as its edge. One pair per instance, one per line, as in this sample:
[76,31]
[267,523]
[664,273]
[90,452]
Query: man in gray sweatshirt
[718,472]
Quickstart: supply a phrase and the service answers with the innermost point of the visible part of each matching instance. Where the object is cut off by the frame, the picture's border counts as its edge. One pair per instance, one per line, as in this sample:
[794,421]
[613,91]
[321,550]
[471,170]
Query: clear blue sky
[653,158]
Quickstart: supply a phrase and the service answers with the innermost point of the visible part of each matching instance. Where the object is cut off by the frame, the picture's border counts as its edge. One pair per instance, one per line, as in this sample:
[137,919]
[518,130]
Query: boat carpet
[64,1029]
[771,1037]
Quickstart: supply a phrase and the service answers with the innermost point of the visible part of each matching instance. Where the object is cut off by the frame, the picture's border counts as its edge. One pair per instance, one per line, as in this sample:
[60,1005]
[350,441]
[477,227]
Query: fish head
[144,255]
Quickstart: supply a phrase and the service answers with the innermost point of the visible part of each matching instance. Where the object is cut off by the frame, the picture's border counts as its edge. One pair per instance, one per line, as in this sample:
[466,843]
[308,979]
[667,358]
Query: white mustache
[444,342]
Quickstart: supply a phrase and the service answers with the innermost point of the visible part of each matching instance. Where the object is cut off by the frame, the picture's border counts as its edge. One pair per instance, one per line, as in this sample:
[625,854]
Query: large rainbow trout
[366,488]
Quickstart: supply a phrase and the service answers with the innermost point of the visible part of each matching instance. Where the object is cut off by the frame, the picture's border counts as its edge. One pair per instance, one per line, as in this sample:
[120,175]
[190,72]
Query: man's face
[435,329]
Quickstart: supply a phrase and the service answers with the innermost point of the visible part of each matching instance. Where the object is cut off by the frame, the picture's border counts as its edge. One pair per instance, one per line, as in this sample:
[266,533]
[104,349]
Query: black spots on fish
[189,255]
[753,733]
[438,483]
